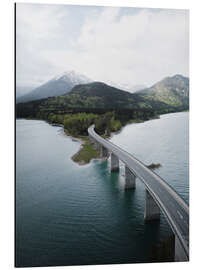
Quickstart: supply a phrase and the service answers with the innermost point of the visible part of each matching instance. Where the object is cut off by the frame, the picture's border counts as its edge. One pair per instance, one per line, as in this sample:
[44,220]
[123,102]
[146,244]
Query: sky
[132,46]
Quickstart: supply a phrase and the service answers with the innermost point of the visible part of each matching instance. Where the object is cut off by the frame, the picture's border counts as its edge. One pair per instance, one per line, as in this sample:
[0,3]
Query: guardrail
[173,206]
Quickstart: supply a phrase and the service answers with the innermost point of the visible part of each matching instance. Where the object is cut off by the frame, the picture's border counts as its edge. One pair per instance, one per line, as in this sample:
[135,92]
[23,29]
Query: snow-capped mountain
[57,86]
[73,77]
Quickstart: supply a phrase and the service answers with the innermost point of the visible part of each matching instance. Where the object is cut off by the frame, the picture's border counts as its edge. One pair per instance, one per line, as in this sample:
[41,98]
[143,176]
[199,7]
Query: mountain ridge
[57,86]
[97,96]
[172,90]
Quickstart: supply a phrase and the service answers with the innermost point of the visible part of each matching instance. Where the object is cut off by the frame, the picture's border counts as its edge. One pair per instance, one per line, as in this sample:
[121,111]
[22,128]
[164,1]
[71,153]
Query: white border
[196,134]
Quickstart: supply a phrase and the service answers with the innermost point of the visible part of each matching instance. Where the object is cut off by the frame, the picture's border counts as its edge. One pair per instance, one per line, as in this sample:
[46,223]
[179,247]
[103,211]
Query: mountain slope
[98,95]
[168,95]
[173,91]
[94,97]
[55,87]
[22,90]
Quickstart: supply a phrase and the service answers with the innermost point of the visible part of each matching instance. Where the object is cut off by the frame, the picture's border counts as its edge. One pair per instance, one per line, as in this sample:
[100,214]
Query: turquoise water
[68,214]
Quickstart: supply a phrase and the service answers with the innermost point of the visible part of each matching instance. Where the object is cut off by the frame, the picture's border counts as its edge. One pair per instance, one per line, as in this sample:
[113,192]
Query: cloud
[107,44]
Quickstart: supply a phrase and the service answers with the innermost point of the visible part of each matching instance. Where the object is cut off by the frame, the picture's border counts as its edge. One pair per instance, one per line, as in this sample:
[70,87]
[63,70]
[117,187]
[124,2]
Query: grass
[86,153]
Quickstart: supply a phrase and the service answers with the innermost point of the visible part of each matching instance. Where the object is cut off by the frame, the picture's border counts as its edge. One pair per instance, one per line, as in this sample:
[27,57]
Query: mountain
[55,87]
[22,90]
[97,95]
[169,95]
[173,91]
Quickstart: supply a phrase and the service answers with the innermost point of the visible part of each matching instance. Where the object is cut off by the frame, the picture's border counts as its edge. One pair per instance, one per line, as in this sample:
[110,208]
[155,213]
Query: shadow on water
[109,178]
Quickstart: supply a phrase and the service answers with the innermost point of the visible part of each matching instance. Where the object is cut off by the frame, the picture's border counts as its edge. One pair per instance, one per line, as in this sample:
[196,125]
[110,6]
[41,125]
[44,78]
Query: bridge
[159,195]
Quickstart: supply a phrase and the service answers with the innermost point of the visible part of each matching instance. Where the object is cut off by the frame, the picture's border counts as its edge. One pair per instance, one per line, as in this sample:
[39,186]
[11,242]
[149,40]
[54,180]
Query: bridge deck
[173,206]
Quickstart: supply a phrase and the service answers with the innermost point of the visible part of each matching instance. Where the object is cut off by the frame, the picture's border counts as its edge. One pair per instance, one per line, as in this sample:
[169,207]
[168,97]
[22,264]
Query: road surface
[173,206]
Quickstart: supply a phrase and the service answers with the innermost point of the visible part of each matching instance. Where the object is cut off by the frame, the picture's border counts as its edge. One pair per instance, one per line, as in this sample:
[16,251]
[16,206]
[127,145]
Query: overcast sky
[123,45]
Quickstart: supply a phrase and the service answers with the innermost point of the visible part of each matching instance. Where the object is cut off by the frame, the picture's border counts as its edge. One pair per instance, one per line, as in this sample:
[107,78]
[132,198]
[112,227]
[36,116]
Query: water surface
[68,214]
[164,141]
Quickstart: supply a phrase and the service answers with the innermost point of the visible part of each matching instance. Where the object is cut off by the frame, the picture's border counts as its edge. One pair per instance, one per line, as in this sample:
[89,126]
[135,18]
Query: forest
[77,120]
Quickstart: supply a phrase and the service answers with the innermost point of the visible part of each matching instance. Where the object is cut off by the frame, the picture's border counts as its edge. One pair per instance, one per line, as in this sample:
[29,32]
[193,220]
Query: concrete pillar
[96,145]
[91,139]
[129,179]
[152,210]
[180,255]
[114,163]
[104,151]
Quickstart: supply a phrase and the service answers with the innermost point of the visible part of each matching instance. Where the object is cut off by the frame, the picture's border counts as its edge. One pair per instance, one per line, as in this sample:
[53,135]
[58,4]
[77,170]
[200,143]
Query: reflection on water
[69,214]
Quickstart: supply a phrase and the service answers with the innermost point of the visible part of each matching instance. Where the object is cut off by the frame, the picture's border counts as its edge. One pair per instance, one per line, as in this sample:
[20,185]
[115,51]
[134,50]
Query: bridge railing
[119,152]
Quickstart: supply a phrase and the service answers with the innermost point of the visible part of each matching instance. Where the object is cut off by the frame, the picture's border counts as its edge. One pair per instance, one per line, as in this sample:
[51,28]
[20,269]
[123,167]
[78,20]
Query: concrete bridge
[159,195]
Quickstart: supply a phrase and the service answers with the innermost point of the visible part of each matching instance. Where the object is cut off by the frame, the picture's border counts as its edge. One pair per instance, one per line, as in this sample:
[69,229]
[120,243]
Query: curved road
[173,206]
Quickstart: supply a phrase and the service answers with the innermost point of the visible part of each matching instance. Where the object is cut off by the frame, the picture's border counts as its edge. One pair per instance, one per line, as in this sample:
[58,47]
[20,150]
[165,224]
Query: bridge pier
[129,179]
[91,139]
[96,145]
[114,163]
[104,152]
[180,255]
[152,210]
[163,194]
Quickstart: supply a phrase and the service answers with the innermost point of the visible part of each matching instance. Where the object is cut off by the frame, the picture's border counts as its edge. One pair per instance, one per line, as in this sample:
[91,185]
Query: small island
[154,166]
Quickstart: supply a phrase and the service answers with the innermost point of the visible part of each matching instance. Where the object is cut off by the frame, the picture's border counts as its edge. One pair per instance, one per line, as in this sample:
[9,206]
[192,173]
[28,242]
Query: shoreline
[87,152]
[83,141]
[76,158]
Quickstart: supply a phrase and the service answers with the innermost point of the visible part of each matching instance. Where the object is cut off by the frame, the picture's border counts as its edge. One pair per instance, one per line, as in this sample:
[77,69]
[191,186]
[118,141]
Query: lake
[68,214]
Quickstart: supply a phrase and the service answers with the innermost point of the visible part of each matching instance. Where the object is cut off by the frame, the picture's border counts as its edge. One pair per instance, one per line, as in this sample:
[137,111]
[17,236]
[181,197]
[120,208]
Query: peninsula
[107,107]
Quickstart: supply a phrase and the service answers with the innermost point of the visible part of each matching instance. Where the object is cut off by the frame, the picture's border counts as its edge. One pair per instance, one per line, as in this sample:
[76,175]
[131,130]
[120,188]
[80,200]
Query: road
[172,205]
